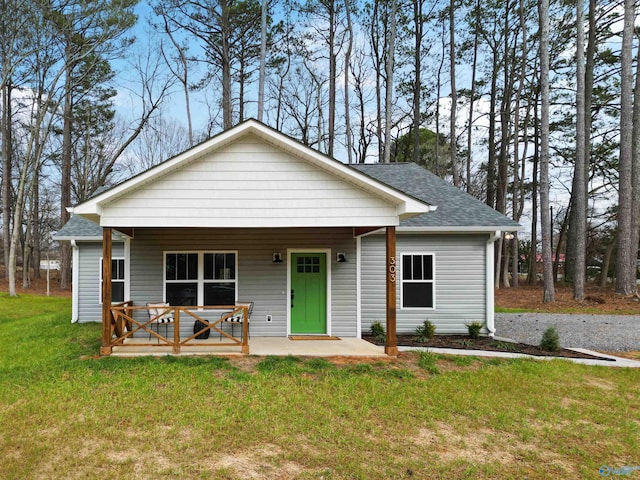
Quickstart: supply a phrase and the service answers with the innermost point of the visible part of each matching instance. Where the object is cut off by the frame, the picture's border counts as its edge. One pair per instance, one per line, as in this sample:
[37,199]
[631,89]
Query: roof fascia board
[464,229]
[84,239]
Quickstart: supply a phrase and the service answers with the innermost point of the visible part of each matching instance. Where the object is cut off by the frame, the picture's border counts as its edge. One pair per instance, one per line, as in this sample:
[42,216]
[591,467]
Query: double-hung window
[200,278]
[418,280]
[219,278]
[117,280]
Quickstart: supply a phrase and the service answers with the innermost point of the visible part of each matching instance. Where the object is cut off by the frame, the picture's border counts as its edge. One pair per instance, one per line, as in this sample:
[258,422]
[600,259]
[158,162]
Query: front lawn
[64,413]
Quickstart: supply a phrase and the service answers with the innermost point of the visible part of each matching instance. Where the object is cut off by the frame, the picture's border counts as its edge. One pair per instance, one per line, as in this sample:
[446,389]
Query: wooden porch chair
[237,318]
[160,315]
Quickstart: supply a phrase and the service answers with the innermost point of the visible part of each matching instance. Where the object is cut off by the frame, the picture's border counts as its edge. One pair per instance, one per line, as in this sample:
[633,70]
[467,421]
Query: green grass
[510,310]
[65,413]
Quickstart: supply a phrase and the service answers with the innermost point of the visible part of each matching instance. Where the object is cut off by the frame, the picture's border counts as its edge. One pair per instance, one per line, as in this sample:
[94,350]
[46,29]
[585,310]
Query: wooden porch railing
[124,326]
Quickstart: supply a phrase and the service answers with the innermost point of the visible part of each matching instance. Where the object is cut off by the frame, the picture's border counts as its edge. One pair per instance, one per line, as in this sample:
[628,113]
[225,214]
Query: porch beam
[128,231]
[391,345]
[357,231]
[105,349]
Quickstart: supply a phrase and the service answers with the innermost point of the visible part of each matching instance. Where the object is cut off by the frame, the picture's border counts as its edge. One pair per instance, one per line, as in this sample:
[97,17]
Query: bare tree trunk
[375,47]
[35,234]
[438,94]
[505,264]
[498,260]
[585,163]
[27,248]
[454,97]
[561,237]
[491,163]
[517,186]
[635,168]
[7,147]
[65,157]
[627,254]
[606,262]
[263,57]
[347,59]
[472,94]
[578,223]
[389,85]
[182,77]
[417,85]
[549,287]
[225,60]
[532,274]
[332,78]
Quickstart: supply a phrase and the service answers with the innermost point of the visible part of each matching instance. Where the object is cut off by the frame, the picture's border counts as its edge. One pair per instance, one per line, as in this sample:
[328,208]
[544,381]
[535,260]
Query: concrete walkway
[614,362]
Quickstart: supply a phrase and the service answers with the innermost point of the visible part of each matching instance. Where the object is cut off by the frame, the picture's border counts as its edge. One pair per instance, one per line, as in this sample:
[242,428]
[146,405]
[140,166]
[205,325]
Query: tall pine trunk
[65,179]
[7,154]
[545,217]
[626,257]
[389,86]
[453,152]
[578,215]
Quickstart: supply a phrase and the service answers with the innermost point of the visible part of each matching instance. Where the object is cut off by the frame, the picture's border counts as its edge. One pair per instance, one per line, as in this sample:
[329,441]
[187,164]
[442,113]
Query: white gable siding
[259,279]
[249,184]
[460,293]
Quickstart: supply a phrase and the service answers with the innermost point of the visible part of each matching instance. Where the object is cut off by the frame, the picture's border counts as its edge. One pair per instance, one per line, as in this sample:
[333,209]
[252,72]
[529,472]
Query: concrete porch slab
[263,346]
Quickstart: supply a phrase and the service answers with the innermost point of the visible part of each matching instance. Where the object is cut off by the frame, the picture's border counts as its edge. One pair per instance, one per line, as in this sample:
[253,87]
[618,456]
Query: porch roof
[251,176]
[79,228]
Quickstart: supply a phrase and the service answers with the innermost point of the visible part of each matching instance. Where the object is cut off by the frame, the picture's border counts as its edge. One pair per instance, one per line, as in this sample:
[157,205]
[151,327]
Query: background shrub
[550,340]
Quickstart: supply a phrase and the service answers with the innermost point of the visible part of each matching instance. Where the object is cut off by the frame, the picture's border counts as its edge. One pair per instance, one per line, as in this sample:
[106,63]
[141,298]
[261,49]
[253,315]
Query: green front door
[308,293]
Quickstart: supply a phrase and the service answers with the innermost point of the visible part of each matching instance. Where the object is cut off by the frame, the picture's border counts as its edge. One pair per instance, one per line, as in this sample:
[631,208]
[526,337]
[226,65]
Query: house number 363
[392,269]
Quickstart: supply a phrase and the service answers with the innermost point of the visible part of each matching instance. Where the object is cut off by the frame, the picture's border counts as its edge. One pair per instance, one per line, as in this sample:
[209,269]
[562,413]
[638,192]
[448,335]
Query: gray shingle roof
[79,228]
[455,207]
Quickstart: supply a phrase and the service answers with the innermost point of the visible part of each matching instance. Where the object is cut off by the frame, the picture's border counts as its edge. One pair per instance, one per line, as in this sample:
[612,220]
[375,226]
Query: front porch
[127,327]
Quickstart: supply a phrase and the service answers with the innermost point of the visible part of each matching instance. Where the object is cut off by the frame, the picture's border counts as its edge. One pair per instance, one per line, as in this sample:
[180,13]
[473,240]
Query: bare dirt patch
[597,300]
[37,286]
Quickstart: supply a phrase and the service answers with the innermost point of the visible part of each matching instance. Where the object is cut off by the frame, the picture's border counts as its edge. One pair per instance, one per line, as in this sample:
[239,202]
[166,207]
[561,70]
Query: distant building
[52,265]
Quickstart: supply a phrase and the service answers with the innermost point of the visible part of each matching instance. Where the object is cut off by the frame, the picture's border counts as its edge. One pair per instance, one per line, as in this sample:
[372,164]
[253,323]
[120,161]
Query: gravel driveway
[608,333]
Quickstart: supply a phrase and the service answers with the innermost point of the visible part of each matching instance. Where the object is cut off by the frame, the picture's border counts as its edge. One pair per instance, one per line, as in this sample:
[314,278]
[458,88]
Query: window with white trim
[418,280]
[200,278]
[117,280]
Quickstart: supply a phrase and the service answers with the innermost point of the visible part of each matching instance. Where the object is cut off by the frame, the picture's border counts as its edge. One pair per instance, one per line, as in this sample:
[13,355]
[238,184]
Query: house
[319,247]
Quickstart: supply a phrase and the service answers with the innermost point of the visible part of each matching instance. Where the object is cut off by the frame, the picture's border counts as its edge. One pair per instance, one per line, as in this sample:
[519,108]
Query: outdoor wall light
[341,257]
[277,257]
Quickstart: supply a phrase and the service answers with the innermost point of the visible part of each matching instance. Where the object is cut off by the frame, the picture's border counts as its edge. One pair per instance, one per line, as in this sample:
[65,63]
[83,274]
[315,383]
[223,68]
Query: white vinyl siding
[258,278]
[249,183]
[460,282]
[89,285]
